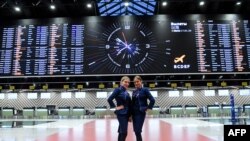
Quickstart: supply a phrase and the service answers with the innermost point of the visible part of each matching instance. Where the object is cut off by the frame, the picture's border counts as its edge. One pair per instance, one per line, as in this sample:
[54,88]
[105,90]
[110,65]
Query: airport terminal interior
[61,59]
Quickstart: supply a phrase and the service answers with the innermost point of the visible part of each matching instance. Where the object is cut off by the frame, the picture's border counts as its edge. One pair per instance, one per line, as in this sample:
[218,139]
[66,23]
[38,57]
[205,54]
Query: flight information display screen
[56,49]
[161,44]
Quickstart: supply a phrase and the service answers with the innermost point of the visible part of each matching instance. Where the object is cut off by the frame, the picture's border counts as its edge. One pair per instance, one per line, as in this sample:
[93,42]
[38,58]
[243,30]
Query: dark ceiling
[77,8]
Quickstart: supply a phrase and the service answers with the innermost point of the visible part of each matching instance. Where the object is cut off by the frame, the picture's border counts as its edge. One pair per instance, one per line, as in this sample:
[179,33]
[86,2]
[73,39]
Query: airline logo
[179,63]
[179,59]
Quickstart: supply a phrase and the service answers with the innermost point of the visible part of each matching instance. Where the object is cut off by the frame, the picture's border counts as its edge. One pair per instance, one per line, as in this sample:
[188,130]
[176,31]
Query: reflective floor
[20,124]
[154,129]
[228,121]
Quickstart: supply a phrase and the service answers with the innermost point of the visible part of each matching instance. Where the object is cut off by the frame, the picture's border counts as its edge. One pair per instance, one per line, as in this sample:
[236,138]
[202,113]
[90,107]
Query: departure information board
[162,44]
[56,49]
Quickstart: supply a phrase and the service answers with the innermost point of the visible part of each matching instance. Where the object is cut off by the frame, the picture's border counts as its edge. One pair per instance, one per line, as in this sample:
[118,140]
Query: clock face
[126,47]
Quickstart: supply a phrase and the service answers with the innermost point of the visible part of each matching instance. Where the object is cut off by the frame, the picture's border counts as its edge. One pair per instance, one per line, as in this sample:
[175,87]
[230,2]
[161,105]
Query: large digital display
[162,44]
[55,49]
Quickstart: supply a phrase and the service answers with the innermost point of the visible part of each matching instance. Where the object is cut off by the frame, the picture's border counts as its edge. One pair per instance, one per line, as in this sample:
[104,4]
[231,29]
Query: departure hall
[63,61]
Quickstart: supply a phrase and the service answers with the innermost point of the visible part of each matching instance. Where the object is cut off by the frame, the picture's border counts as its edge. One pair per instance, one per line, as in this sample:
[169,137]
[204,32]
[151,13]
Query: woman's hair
[125,78]
[138,77]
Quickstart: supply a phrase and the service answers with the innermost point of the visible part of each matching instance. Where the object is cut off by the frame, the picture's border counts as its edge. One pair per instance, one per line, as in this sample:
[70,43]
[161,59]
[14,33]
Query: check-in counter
[8,112]
[28,112]
[100,112]
[214,110]
[64,112]
[78,112]
[191,110]
[41,112]
[176,111]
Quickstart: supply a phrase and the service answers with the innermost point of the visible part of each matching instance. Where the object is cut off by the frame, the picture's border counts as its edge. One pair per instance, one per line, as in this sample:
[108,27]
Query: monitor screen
[174,93]
[188,93]
[161,44]
[209,92]
[223,92]
[244,92]
[101,94]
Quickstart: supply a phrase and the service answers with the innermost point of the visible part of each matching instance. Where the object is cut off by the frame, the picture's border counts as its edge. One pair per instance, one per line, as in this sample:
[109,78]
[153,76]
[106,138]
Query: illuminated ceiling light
[156,83]
[203,77]
[52,7]
[221,76]
[17,9]
[238,3]
[89,5]
[202,3]
[126,4]
[87,83]
[164,3]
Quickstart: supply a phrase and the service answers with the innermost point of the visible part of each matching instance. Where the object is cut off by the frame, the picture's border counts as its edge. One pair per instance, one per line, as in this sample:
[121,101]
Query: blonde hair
[125,78]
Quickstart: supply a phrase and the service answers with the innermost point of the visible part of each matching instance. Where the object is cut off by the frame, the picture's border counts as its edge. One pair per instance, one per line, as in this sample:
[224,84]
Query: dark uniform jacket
[122,97]
[139,100]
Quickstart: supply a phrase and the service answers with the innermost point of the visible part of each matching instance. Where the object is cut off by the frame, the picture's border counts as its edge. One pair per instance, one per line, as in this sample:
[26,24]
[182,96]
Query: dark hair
[138,77]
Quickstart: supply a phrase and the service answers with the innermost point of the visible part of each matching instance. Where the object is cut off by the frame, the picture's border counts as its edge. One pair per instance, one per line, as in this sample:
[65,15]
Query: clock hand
[128,46]
[124,38]
[123,47]
[124,43]
[119,40]
[120,51]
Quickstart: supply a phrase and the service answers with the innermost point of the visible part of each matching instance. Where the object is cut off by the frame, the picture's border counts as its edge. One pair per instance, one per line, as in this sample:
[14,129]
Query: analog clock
[125,47]
[128,46]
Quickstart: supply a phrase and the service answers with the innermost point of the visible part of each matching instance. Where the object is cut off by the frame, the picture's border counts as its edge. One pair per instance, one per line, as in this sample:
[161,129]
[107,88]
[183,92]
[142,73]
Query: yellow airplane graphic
[179,59]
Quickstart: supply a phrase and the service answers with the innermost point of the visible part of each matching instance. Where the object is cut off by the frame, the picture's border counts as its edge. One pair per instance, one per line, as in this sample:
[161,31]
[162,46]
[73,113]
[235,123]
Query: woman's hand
[119,107]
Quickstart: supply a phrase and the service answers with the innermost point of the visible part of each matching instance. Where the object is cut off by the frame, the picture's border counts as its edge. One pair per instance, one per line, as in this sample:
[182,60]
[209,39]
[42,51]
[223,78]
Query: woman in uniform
[140,106]
[122,108]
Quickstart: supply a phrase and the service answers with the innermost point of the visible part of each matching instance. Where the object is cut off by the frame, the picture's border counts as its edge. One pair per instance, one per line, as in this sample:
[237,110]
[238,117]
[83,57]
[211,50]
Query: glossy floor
[154,129]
